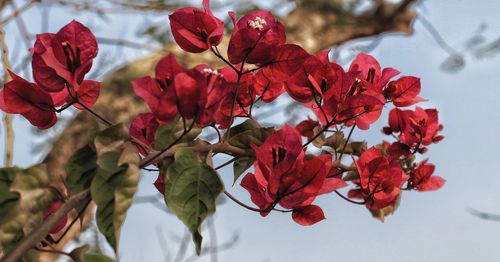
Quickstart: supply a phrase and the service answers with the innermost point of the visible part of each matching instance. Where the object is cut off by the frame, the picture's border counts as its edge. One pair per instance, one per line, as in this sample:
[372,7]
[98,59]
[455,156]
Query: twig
[19,11]
[9,131]
[35,236]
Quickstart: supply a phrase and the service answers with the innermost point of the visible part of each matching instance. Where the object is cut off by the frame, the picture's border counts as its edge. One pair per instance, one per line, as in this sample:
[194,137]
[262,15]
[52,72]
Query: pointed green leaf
[241,165]
[167,134]
[80,254]
[24,196]
[113,189]
[248,133]
[191,190]
[81,169]
[97,258]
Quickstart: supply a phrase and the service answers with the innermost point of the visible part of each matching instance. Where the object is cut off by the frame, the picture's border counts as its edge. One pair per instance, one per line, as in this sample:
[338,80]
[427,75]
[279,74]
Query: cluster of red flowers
[261,66]
[59,64]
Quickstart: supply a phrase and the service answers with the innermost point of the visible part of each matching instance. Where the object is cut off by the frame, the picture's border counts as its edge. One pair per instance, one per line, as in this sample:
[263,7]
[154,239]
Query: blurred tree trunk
[313,27]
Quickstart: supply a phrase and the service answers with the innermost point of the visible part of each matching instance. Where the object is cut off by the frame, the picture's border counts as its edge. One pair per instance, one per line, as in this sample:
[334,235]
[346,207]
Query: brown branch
[19,10]
[9,131]
[35,236]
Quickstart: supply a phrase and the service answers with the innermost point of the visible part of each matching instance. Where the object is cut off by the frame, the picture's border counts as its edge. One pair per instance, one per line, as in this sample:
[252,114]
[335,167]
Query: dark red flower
[284,176]
[308,215]
[422,179]
[143,128]
[63,58]
[255,37]
[306,128]
[160,183]
[61,223]
[173,90]
[22,97]
[371,75]
[404,91]
[196,30]
[380,181]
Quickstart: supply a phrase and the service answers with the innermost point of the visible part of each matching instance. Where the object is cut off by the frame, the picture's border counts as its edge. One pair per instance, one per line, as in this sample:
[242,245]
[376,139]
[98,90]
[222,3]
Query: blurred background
[453,46]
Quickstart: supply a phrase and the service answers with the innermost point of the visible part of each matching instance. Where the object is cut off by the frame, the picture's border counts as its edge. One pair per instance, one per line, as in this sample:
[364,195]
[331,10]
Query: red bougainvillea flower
[284,176]
[174,89]
[404,91]
[63,58]
[419,127]
[371,75]
[254,38]
[306,128]
[314,78]
[422,179]
[143,128]
[196,30]
[380,181]
[61,223]
[22,97]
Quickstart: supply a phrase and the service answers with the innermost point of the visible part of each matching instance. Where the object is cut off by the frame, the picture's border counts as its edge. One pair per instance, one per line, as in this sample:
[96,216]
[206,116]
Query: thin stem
[227,163]
[74,220]
[150,160]
[107,122]
[347,141]
[242,204]
[349,200]
[19,11]
[221,57]
[53,251]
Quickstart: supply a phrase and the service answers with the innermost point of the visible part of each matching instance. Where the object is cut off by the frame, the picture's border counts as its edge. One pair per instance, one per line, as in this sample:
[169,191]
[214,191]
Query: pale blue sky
[431,227]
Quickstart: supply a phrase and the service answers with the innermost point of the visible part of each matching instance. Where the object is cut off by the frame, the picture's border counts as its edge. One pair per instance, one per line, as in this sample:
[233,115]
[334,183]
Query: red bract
[196,30]
[306,128]
[255,37]
[284,176]
[380,181]
[308,215]
[22,97]
[314,78]
[404,91]
[422,128]
[371,75]
[63,58]
[143,128]
[422,179]
[61,223]
[173,90]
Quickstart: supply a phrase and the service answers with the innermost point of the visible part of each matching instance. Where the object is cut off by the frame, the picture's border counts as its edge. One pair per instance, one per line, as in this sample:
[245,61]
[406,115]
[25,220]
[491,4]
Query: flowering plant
[260,67]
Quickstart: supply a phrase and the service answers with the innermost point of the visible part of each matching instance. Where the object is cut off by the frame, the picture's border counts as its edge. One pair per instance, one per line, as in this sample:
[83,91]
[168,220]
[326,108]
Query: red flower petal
[308,215]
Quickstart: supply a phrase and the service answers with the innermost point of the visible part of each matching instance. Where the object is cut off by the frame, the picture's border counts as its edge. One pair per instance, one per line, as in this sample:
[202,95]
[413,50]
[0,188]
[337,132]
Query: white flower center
[211,71]
[258,23]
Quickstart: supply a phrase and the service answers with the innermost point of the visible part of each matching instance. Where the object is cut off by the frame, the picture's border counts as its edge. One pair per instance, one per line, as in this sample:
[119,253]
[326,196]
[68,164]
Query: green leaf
[241,165]
[97,258]
[25,196]
[80,254]
[167,134]
[248,133]
[113,189]
[191,190]
[81,169]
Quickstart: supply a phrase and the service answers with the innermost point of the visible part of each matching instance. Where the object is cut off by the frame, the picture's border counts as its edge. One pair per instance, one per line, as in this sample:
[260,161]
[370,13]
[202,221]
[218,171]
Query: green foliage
[241,165]
[24,196]
[115,181]
[248,133]
[80,254]
[191,191]
[167,134]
